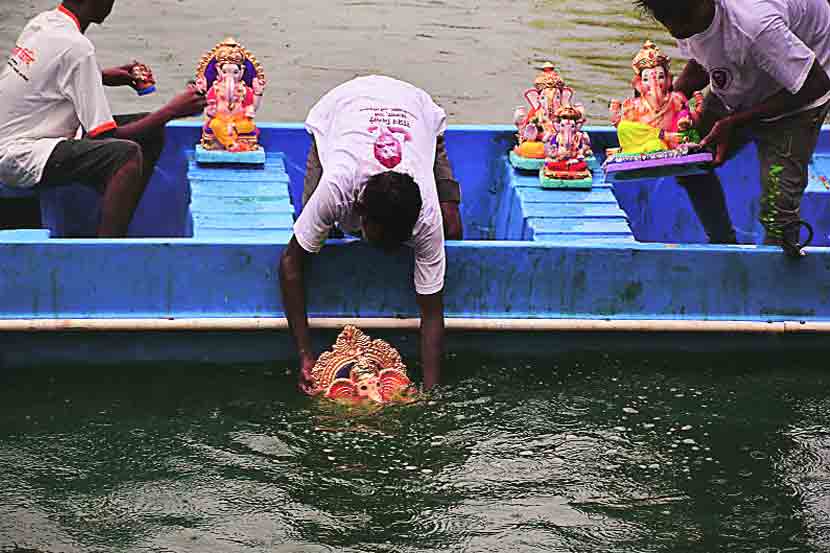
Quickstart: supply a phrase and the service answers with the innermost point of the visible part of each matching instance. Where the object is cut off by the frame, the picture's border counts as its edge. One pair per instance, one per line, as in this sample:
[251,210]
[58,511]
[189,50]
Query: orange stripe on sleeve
[63,9]
[102,129]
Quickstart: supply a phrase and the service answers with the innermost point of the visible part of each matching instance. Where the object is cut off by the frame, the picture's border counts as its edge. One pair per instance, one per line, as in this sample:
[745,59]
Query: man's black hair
[666,10]
[393,201]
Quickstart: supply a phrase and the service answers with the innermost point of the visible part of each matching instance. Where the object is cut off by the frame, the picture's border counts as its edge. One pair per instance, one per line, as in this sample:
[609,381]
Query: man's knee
[130,157]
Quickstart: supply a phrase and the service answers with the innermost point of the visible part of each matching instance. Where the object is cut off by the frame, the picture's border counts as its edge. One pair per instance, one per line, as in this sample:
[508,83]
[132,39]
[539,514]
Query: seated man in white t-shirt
[376,141]
[51,87]
[767,62]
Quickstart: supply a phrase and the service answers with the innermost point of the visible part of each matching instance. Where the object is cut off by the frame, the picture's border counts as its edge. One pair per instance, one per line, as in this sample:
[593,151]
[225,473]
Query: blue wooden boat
[614,267]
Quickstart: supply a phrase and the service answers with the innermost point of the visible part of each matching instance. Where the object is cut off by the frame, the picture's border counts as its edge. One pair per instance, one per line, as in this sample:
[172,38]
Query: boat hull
[60,283]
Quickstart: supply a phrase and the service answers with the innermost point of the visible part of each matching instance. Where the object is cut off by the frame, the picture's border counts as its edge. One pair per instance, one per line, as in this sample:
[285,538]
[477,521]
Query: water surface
[572,454]
[475,57]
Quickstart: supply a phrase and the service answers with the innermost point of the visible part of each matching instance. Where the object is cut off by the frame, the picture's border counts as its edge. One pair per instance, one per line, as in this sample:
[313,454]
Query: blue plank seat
[9,192]
[530,212]
[72,210]
[818,175]
[241,202]
[815,207]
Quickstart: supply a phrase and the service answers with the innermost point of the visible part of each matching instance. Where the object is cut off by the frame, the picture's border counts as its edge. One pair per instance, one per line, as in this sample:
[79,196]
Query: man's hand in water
[306,383]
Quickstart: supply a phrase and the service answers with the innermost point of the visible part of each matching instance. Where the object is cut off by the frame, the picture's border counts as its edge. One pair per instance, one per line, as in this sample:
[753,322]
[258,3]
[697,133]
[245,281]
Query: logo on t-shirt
[20,61]
[721,78]
[391,125]
[388,149]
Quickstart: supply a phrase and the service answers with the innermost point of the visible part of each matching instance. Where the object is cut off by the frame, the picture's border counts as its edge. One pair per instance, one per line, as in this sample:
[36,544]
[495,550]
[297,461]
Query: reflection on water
[580,453]
[475,57]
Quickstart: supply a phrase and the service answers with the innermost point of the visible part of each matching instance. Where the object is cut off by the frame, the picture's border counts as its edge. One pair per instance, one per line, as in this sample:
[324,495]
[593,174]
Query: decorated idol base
[207,157]
[582,179]
[361,371]
[585,183]
[669,163]
[525,163]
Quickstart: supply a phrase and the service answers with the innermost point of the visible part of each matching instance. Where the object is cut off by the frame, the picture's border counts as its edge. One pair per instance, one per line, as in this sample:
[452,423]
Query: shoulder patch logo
[26,56]
[721,78]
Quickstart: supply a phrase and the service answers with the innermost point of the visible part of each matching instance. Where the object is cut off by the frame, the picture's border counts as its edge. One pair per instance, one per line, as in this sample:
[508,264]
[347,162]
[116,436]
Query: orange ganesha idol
[655,126]
[535,121]
[233,82]
[359,370]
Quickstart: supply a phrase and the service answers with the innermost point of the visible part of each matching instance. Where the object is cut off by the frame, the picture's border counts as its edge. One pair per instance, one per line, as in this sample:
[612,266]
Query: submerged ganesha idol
[361,370]
[233,82]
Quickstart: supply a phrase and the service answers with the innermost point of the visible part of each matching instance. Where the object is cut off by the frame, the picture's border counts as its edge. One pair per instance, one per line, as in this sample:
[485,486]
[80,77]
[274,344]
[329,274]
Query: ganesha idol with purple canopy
[655,127]
[361,371]
[233,82]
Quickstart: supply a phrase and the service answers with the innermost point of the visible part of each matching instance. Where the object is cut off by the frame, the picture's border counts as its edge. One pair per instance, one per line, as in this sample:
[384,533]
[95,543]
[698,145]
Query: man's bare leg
[121,195]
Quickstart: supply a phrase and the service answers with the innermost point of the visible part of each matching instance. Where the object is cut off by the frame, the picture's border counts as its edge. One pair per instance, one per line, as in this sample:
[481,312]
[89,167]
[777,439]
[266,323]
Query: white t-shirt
[49,88]
[367,126]
[756,48]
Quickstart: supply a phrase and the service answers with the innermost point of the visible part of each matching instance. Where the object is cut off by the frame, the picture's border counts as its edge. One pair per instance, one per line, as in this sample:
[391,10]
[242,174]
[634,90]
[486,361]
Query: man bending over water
[767,62]
[51,86]
[372,171]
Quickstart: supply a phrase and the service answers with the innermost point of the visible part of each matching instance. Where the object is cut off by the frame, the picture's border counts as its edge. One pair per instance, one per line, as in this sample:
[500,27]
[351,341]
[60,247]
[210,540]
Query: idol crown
[548,78]
[650,57]
[230,51]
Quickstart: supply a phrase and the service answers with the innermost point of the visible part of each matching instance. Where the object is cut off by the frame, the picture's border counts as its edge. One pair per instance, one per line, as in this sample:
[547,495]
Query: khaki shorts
[93,161]
[788,143]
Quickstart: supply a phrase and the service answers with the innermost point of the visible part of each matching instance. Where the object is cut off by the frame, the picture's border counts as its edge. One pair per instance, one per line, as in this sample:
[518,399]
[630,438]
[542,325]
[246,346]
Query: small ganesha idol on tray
[362,371]
[144,80]
[233,82]
[568,156]
[655,127]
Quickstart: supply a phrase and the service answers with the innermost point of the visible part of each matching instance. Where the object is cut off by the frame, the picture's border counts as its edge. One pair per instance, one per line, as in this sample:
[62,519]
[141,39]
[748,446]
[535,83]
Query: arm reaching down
[292,286]
[432,336]
[816,85]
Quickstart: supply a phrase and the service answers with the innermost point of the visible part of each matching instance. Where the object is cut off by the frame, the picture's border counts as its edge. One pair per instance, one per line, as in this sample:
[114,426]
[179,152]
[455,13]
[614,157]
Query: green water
[476,57]
[573,454]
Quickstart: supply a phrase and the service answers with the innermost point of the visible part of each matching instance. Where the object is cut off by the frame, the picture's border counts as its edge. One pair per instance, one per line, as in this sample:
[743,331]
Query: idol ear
[391,383]
[341,388]
[567,95]
[519,115]
[555,101]
[532,97]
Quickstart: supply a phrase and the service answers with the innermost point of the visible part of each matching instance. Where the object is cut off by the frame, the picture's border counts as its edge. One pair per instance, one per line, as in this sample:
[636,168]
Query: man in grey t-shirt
[767,65]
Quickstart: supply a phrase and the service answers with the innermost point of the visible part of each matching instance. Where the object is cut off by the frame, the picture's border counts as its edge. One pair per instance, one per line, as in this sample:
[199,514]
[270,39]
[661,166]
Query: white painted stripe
[452,324]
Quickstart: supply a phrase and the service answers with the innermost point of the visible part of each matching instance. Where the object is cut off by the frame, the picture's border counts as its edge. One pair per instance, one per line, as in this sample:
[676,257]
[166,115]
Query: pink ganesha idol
[567,147]
[534,122]
[233,82]
[362,371]
[655,127]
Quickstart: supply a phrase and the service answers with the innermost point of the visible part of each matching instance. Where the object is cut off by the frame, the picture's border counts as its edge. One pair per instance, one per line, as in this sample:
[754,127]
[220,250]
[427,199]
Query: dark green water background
[582,453]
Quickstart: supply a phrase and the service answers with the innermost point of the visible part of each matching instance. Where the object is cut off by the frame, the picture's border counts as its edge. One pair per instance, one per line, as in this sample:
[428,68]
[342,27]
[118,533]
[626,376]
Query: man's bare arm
[816,86]
[693,78]
[185,104]
[292,286]
[432,336]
